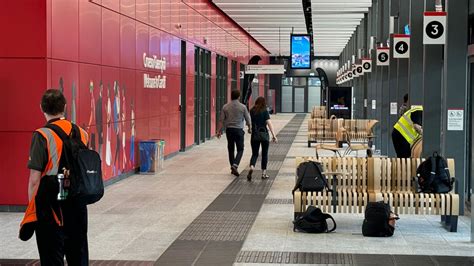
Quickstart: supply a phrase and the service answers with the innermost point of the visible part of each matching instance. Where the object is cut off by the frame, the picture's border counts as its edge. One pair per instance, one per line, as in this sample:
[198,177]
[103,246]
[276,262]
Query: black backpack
[313,221]
[376,222]
[310,177]
[84,165]
[433,175]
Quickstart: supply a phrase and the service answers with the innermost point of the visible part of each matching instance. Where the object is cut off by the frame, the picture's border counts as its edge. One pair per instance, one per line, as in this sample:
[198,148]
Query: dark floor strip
[348,259]
[5,262]
[216,236]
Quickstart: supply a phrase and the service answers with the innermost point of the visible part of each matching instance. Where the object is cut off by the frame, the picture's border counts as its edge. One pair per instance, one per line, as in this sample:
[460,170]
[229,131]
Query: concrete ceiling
[271,21]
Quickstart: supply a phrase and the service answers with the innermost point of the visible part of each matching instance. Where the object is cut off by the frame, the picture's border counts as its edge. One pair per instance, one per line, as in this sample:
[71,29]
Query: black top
[259,120]
[417,117]
[39,151]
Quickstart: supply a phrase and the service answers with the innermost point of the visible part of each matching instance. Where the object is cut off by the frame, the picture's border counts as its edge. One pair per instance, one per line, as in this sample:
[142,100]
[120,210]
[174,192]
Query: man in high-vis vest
[407,130]
[60,225]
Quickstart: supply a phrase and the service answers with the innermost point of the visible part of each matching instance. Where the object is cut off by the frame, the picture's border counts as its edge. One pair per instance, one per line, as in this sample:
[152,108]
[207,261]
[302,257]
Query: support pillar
[432,82]
[393,79]
[455,90]
[415,94]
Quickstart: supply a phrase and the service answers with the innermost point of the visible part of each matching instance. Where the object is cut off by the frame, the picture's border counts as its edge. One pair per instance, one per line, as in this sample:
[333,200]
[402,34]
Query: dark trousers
[401,145]
[255,149]
[235,137]
[55,242]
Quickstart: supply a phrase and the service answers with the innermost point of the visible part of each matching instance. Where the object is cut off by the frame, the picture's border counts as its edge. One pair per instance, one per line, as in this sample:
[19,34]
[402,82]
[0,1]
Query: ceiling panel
[271,22]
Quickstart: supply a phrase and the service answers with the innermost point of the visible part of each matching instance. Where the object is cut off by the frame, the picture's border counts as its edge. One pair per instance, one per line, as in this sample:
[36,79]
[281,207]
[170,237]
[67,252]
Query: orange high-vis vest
[54,146]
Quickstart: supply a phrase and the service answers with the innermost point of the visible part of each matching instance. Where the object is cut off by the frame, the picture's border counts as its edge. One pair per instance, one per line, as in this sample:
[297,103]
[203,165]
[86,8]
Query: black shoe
[233,170]
[265,176]
[249,176]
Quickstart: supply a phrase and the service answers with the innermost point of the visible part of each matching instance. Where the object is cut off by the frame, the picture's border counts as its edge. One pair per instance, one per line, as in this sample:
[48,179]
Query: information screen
[300,51]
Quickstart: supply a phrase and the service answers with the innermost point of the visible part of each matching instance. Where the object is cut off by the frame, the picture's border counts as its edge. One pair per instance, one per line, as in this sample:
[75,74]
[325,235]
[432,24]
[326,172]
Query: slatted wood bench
[393,183]
[347,179]
[323,130]
[356,181]
[318,112]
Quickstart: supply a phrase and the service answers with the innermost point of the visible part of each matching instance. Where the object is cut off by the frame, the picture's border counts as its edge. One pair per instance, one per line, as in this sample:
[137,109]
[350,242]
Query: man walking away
[59,223]
[232,119]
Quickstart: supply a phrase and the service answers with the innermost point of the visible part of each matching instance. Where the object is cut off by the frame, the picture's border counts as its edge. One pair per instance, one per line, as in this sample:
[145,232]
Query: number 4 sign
[401,46]
[434,24]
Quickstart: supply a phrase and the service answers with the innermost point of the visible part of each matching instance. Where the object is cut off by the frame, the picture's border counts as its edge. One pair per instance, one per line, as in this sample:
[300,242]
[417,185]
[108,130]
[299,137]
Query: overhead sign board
[383,56]
[264,69]
[401,46]
[434,25]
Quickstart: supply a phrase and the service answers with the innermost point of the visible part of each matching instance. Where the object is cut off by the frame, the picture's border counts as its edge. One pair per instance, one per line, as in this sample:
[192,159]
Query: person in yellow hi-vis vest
[407,130]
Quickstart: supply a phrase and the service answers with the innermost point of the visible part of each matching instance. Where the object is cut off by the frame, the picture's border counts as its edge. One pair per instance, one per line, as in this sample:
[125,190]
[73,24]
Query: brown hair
[235,94]
[260,105]
[53,102]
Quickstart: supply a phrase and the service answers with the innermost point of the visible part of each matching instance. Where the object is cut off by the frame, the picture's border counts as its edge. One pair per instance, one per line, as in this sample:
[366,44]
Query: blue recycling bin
[151,156]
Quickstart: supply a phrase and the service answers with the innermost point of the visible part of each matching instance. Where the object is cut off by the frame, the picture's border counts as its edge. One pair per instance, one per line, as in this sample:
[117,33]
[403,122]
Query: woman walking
[260,124]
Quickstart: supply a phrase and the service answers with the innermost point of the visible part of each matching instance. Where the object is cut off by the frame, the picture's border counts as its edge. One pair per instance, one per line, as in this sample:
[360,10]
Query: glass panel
[287,99]
[314,82]
[299,100]
[314,97]
[287,81]
[299,81]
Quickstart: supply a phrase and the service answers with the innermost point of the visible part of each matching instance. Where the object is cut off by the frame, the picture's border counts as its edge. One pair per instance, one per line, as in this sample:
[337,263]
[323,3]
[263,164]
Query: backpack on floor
[377,220]
[85,169]
[433,175]
[313,221]
[310,177]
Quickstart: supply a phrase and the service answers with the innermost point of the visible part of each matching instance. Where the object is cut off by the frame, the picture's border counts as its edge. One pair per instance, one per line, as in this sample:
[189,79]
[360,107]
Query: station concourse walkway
[196,213]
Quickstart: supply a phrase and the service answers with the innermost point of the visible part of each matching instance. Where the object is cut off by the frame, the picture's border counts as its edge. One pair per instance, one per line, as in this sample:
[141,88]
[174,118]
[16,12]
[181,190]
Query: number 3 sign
[434,24]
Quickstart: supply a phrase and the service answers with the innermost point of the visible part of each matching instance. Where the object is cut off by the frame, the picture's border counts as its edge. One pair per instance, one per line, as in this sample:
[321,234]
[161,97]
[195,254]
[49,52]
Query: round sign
[359,70]
[434,29]
[401,47]
[366,65]
[383,57]
[354,71]
[349,75]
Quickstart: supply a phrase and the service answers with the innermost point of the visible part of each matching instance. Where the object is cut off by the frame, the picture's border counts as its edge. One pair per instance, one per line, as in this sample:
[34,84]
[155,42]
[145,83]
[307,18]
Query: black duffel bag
[313,221]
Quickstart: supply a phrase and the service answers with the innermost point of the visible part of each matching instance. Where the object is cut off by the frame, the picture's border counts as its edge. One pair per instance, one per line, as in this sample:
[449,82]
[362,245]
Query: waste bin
[151,156]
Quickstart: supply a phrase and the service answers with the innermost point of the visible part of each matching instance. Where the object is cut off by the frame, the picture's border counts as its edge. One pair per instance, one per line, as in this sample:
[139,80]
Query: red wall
[84,44]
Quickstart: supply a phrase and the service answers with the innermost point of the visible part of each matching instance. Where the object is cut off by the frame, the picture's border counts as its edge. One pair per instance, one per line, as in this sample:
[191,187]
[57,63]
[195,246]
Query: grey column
[432,81]
[364,83]
[375,75]
[393,80]
[455,90]
[403,65]
[416,52]
[384,80]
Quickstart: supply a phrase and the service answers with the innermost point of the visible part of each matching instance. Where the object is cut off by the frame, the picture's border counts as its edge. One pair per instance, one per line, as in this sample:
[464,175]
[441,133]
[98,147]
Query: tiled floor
[140,217]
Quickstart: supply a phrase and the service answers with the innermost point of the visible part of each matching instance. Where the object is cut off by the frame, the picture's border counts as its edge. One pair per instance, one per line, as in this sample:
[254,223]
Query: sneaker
[233,170]
[265,176]
[249,176]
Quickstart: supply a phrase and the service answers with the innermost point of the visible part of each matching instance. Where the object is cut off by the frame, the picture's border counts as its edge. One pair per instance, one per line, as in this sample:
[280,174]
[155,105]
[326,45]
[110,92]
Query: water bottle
[62,192]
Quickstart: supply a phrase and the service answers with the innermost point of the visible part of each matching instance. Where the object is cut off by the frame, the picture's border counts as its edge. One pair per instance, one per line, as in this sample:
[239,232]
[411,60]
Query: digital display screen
[407,29]
[300,51]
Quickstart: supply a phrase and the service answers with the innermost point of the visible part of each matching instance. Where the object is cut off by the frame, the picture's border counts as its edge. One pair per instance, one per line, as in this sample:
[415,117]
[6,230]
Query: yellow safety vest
[406,127]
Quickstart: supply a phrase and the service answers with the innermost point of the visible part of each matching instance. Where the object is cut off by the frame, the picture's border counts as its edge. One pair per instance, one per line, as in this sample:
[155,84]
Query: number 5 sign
[383,56]
[434,24]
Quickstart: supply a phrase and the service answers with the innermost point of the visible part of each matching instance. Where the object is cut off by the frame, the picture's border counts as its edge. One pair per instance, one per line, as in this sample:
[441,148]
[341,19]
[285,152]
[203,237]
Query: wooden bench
[323,130]
[356,181]
[347,179]
[393,183]
[318,112]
